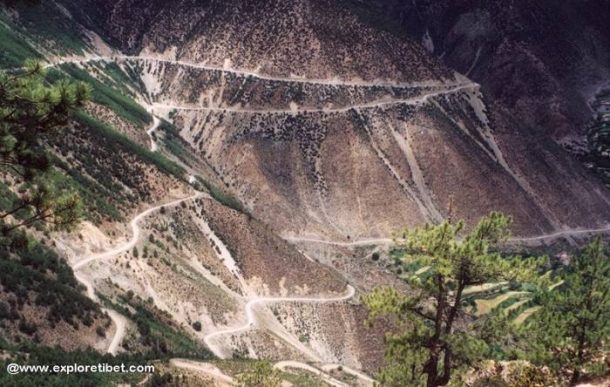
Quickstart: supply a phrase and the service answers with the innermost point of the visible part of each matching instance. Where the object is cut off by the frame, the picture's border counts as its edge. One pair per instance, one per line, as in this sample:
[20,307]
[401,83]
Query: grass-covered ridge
[103,94]
[14,50]
[49,27]
[120,140]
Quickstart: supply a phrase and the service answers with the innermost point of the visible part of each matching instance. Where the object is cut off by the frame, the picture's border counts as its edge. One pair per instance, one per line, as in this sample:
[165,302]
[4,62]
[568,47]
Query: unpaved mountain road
[563,234]
[241,72]
[217,374]
[576,232]
[251,316]
[204,368]
[284,365]
[135,233]
[371,105]
[355,243]
[153,144]
[367,381]
[119,321]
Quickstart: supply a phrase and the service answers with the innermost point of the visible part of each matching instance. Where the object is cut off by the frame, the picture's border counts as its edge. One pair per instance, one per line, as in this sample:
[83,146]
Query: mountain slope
[274,129]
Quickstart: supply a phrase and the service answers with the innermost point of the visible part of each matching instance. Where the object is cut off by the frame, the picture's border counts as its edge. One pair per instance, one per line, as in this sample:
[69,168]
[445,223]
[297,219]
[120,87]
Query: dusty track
[563,234]
[283,365]
[119,321]
[241,72]
[251,316]
[153,145]
[204,368]
[576,232]
[371,105]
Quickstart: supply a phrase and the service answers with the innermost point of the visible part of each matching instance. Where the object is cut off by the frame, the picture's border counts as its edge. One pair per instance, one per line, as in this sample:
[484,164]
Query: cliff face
[541,59]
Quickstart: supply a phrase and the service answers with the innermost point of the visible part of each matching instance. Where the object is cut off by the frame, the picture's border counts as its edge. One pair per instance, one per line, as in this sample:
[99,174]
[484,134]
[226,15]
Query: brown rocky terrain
[344,172]
[300,124]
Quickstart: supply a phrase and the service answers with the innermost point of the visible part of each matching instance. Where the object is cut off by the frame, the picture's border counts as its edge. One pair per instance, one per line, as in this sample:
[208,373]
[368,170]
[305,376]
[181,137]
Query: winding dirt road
[563,234]
[156,122]
[251,315]
[119,321]
[241,72]
[284,365]
[369,105]
[204,368]
[575,232]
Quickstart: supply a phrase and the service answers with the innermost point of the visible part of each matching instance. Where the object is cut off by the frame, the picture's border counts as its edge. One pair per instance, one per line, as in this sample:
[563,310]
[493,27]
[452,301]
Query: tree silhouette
[30,111]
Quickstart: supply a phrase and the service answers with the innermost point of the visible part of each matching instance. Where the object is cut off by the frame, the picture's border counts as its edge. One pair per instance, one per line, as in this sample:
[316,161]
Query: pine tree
[571,333]
[30,111]
[260,374]
[434,337]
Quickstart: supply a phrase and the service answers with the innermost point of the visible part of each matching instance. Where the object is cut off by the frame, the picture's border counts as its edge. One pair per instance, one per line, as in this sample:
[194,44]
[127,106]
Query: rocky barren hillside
[371,131]
[542,59]
[242,162]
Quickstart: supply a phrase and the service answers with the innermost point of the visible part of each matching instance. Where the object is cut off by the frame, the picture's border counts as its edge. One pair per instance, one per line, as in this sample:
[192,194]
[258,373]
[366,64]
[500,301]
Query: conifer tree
[434,335]
[571,332]
[30,111]
[260,374]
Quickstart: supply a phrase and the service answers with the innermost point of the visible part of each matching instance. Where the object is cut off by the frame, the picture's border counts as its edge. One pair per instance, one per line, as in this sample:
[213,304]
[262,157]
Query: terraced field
[516,299]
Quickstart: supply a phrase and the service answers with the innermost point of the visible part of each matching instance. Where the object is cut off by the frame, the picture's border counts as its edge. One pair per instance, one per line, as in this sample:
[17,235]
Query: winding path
[119,320]
[251,315]
[242,72]
[283,365]
[156,122]
[204,368]
[369,105]
[574,232]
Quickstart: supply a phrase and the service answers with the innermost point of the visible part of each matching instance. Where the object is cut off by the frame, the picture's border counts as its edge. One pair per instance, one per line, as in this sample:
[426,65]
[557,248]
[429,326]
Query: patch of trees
[437,339]
[30,111]
[34,274]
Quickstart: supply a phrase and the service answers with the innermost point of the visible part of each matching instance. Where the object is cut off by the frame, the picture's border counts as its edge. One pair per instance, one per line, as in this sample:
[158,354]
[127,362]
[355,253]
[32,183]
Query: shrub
[101,332]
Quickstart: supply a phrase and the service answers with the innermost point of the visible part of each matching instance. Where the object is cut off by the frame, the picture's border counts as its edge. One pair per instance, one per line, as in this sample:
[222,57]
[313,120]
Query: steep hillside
[243,165]
[299,38]
[543,59]
[350,117]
